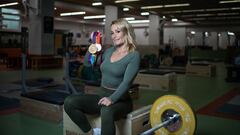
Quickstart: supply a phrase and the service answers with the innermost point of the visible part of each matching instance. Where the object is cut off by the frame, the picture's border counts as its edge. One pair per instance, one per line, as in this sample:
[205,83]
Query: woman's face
[117,36]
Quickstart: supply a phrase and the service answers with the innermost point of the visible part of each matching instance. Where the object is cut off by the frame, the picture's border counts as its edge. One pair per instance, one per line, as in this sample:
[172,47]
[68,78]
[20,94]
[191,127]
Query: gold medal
[92,48]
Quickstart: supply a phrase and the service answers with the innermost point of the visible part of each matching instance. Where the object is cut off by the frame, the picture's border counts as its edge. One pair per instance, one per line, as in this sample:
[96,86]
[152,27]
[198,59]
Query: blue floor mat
[53,97]
[8,103]
[36,82]
[230,109]
[8,87]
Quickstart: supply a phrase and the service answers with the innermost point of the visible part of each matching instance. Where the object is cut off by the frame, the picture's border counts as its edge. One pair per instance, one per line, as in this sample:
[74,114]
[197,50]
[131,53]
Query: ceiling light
[145,13]
[94,17]
[177,5]
[174,20]
[166,6]
[125,9]
[195,10]
[96,3]
[130,18]
[217,9]
[152,7]
[193,32]
[172,12]
[9,4]
[230,33]
[235,8]
[196,19]
[203,15]
[228,1]
[122,1]
[224,14]
[139,21]
[72,13]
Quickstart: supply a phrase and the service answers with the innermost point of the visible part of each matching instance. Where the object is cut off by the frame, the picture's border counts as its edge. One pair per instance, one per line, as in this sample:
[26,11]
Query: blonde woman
[119,67]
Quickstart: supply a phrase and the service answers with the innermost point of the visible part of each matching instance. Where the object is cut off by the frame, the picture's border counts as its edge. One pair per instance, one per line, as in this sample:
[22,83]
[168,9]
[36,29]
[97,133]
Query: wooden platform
[45,104]
[135,123]
[44,110]
[162,82]
[206,70]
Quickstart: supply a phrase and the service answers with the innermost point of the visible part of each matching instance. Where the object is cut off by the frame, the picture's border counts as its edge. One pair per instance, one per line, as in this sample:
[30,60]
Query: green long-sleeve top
[120,74]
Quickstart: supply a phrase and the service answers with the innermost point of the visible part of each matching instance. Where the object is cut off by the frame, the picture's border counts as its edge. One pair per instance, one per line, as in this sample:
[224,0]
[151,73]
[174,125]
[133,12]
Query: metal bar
[23,74]
[164,124]
[68,82]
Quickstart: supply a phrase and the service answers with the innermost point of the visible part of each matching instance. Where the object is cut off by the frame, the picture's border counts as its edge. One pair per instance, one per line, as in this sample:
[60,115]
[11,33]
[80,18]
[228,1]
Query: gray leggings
[77,105]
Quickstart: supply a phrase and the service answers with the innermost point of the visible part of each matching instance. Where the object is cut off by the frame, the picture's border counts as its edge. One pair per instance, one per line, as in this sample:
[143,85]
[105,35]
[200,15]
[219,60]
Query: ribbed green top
[119,74]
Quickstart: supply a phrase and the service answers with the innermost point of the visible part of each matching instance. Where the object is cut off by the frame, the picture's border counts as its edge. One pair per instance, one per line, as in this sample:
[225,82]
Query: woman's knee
[107,112]
[68,102]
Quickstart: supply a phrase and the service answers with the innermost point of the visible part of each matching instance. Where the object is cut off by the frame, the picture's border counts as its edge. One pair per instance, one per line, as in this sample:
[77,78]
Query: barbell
[171,115]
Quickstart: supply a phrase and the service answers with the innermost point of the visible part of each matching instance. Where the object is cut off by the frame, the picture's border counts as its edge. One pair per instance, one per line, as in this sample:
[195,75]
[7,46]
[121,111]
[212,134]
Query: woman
[119,67]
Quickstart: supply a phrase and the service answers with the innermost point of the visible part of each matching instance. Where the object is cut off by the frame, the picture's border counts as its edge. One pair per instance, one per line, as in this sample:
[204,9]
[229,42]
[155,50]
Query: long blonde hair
[129,35]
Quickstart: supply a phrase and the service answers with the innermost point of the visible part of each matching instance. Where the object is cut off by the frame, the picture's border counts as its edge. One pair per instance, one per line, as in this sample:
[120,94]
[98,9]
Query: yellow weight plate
[177,104]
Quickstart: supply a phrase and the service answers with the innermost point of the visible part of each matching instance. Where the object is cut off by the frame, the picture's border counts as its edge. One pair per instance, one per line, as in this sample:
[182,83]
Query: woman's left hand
[105,101]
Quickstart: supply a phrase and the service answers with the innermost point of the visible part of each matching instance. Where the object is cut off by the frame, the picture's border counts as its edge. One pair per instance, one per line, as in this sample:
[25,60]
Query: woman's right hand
[105,101]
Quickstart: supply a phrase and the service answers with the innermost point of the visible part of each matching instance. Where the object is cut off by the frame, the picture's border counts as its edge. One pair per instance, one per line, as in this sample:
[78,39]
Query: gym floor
[198,91]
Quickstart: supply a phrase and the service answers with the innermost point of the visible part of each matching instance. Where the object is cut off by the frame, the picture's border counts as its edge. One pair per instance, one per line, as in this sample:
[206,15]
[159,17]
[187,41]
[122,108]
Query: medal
[95,48]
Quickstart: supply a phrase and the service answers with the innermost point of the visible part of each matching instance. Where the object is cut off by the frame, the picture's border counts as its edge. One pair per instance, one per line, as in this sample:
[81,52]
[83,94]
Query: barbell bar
[163,124]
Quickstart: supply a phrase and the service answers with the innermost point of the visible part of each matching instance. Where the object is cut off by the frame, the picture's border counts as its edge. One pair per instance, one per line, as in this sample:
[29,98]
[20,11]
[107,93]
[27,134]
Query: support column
[111,13]
[154,32]
[41,20]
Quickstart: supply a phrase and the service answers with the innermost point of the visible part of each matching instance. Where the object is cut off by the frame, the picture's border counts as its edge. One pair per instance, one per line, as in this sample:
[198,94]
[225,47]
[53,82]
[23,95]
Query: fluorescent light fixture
[152,7]
[130,18]
[96,3]
[217,9]
[172,12]
[144,13]
[166,6]
[196,10]
[139,21]
[122,1]
[230,33]
[73,13]
[125,9]
[235,8]
[228,1]
[224,14]
[196,19]
[174,20]
[203,15]
[177,5]
[193,32]
[94,17]
[9,4]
